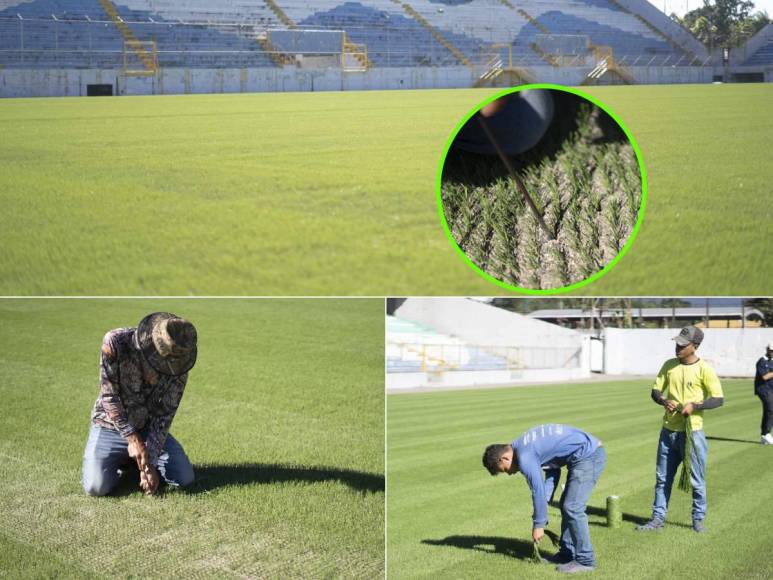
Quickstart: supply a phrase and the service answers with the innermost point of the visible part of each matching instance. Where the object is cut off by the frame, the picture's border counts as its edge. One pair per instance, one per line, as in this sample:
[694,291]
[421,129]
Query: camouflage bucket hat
[167,342]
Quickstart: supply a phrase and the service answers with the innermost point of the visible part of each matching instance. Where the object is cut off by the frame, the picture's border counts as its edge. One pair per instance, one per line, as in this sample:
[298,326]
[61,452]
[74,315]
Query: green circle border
[592,277]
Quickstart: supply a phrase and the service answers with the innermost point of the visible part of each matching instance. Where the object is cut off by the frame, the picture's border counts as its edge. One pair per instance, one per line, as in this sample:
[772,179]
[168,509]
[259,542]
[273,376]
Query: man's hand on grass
[149,480]
[537,534]
[138,451]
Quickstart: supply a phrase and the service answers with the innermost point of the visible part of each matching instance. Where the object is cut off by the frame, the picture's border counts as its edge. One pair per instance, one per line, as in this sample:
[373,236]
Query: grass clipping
[588,189]
[684,477]
[536,558]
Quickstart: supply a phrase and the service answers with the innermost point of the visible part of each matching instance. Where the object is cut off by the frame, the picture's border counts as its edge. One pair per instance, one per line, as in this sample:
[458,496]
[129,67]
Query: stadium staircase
[674,44]
[605,63]
[548,58]
[147,59]
[434,32]
[283,18]
[280,59]
[357,51]
[496,74]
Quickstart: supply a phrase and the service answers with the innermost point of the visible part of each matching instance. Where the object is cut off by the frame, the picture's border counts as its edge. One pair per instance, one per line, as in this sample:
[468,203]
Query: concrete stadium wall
[740,54]
[73,82]
[731,351]
[397,381]
[663,23]
[480,323]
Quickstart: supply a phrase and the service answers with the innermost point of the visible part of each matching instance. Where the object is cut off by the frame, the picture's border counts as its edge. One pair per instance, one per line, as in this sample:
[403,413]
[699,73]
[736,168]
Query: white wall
[731,351]
[480,323]
[72,82]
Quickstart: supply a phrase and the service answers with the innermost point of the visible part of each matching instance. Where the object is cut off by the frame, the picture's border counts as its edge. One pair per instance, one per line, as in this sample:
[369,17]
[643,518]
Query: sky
[683,6]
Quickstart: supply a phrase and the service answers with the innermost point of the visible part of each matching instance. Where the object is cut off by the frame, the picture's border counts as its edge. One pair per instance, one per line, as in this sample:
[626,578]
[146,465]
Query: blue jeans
[106,451]
[575,535]
[670,455]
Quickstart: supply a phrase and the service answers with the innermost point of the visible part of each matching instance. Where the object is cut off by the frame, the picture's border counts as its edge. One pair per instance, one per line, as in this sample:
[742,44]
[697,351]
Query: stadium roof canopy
[721,312]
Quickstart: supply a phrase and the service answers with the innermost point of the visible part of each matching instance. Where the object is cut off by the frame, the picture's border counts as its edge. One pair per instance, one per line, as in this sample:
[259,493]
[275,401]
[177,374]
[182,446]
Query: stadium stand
[414,33]
[457,341]
[414,347]
[759,50]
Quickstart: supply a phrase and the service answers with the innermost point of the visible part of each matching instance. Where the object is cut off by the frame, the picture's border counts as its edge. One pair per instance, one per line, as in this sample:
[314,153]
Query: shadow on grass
[512,547]
[638,520]
[211,477]
[732,440]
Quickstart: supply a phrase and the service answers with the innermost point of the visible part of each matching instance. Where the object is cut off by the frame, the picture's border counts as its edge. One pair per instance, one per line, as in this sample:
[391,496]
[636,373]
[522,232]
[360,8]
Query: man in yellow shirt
[685,386]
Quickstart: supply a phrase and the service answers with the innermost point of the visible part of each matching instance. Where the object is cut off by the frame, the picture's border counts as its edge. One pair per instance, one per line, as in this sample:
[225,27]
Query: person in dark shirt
[763,388]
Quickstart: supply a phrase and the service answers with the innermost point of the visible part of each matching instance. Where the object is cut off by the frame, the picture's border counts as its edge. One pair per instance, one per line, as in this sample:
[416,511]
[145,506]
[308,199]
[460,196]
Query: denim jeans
[670,454]
[575,535]
[106,451]
[766,397]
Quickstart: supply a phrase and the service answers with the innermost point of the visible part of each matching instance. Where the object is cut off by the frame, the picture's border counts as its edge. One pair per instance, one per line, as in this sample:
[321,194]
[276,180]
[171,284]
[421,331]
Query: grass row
[587,188]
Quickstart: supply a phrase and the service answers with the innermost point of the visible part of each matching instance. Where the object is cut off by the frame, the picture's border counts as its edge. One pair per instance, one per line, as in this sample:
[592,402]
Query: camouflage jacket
[133,397]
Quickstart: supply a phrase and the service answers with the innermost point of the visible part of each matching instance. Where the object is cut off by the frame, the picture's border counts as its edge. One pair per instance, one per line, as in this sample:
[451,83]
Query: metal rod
[518,182]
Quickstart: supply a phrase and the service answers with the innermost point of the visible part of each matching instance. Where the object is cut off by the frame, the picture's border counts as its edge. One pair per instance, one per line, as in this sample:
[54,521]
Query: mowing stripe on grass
[449,518]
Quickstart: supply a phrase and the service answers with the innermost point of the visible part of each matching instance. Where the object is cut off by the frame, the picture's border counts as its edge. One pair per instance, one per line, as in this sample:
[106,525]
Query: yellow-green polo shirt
[686,384]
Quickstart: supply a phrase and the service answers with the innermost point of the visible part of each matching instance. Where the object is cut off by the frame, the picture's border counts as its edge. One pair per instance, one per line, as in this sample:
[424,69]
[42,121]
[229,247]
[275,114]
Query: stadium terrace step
[656,30]
[280,59]
[605,64]
[280,14]
[147,59]
[424,33]
[434,32]
[539,26]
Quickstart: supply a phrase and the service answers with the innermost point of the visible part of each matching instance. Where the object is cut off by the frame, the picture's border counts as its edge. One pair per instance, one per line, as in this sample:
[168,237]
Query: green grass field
[283,419]
[448,518]
[334,193]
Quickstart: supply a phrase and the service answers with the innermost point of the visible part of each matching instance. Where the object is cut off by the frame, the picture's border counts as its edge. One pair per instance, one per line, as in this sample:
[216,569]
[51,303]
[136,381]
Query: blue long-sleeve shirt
[549,446]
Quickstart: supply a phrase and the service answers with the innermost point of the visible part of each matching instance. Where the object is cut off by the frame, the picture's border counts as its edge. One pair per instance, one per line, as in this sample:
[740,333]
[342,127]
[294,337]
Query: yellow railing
[283,18]
[605,62]
[148,59]
[359,52]
[411,11]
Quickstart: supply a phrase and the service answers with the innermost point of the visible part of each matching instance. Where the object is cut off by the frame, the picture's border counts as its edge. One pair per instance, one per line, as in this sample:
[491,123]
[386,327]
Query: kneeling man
[143,372]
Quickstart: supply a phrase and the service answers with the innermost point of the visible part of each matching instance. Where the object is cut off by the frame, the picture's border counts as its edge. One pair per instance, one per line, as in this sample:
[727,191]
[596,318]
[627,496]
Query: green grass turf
[283,419]
[584,179]
[334,193]
[448,518]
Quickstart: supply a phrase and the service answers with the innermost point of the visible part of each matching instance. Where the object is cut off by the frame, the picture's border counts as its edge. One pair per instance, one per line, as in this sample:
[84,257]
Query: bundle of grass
[684,477]
[536,558]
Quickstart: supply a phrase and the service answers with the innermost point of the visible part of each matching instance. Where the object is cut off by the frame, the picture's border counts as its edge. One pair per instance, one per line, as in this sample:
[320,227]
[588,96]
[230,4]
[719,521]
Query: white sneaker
[767,439]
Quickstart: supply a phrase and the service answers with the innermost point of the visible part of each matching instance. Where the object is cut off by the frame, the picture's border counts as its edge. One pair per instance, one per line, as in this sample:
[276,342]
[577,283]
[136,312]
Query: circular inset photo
[542,189]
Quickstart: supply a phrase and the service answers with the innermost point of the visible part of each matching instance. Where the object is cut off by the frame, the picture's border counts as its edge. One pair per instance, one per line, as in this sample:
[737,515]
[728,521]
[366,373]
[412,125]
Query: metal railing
[89,43]
[417,357]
